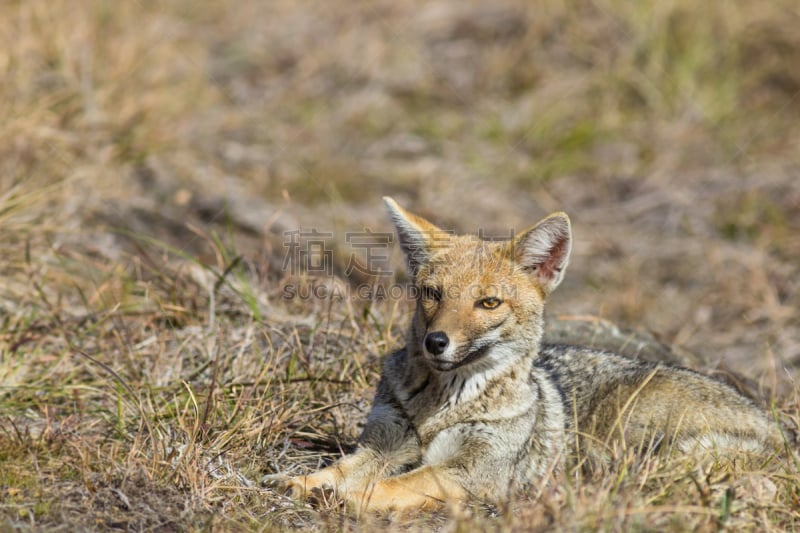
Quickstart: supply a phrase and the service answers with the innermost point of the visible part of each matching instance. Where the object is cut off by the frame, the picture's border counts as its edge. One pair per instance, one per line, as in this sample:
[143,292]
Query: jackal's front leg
[352,470]
[388,445]
[428,487]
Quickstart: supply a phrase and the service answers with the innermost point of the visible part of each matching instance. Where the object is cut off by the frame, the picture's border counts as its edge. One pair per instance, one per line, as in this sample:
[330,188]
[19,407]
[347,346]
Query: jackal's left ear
[544,250]
[417,236]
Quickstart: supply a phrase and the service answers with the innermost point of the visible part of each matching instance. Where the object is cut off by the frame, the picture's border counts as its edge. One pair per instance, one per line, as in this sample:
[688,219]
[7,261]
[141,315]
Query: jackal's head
[480,302]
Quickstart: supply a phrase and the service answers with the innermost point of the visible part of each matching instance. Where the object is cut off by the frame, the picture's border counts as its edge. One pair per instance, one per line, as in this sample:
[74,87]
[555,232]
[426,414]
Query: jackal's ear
[417,236]
[544,250]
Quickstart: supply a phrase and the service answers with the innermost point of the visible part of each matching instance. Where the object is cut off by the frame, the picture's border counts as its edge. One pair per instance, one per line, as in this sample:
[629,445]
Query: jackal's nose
[436,342]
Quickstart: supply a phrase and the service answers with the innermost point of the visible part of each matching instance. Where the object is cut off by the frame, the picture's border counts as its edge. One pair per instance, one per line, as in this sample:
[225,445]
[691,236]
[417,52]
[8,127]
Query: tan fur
[474,407]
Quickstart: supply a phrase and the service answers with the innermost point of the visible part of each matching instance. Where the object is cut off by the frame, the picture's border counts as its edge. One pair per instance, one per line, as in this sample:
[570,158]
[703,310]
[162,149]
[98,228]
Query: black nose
[436,342]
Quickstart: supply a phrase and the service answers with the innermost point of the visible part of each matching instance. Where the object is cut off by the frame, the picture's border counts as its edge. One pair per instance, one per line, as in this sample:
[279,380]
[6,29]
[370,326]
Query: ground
[161,159]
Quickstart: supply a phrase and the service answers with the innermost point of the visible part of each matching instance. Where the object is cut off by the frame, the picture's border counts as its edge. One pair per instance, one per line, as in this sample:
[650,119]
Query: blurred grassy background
[153,154]
[666,131]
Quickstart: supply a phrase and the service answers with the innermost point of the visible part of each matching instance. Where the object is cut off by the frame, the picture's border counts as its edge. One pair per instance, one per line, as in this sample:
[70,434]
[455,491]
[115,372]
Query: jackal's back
[608,397]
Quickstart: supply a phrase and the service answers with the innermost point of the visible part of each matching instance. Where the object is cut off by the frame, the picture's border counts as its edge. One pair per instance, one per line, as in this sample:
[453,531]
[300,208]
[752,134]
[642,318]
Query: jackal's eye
[430,292]
[490,303]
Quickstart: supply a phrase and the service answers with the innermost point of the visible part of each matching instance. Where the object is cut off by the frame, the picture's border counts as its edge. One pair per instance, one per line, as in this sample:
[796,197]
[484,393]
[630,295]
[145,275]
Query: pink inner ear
[553,265]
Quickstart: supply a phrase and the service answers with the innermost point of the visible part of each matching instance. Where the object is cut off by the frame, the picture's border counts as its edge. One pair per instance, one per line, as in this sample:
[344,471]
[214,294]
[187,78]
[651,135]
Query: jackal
[476,407]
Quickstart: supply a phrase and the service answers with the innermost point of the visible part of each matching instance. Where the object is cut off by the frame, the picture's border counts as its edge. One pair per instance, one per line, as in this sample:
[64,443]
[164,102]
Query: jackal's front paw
[277,482]
[290,486]
[301,487]
[324,497]
[318,487]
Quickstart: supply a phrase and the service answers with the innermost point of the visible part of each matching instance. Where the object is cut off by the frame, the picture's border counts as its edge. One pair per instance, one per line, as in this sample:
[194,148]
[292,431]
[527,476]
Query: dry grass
[152,155]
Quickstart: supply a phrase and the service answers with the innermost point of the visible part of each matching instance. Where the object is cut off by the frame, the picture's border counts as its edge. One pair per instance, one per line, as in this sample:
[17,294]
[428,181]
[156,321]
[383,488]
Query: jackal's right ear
[417,236]
[544,250]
